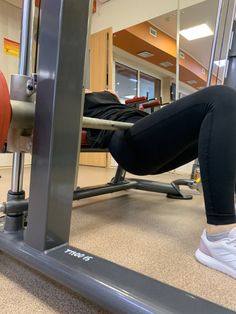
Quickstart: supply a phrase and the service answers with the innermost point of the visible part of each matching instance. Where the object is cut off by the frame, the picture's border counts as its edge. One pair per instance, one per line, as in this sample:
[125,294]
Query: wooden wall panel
[101,60]
[94,159]
[100,79]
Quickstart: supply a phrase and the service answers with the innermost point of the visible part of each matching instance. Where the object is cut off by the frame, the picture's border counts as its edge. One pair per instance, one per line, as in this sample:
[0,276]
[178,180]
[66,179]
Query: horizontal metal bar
[103,189]
[23,117]
[154,186]
[170,189]
[13,207]
[90,191]
[102,124]
[115,288]
[23,114]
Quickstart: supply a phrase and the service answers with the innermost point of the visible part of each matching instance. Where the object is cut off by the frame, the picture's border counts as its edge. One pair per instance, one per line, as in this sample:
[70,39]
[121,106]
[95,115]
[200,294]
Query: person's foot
[220,255]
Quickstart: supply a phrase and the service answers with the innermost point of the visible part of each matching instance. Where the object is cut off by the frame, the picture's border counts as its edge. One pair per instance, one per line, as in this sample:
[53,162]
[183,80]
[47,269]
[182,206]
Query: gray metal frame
[214,42]
[230,79]
[58,121]
[44,244]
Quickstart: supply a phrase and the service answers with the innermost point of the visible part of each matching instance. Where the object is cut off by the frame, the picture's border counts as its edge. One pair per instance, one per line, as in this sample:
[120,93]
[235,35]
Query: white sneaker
[220,255]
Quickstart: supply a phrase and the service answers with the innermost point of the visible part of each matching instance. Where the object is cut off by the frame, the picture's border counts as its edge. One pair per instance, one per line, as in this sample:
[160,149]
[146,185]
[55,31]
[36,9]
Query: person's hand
[87,91]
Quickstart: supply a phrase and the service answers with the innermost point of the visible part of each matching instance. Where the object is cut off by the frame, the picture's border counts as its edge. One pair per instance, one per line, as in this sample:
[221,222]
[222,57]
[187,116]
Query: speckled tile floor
[142,231]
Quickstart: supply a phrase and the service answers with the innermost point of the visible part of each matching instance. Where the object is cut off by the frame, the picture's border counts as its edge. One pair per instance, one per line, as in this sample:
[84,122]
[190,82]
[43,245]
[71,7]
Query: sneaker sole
[213,263]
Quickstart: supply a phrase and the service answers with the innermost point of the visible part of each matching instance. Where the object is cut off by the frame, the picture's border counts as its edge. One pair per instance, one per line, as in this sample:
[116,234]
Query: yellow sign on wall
[11,47]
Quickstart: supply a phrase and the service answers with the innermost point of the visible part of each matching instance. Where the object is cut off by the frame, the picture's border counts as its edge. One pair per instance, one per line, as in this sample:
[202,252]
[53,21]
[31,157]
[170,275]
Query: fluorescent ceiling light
[192,82]
[196,32]
[145,54]
[166,64]
[220,63]
[133,80]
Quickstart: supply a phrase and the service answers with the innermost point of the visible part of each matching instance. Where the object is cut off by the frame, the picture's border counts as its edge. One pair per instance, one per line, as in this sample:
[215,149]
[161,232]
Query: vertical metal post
[24,69]
[58,120]
[17,172]
[230,68]
[26,37]
[214,43]
[177,51]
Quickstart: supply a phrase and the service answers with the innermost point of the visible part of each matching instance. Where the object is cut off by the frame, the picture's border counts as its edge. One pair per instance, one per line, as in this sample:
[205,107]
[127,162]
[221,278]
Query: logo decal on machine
[79,255]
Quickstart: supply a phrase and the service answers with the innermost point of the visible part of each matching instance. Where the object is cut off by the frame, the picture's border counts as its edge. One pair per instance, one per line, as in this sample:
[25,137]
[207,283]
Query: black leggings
[201,125]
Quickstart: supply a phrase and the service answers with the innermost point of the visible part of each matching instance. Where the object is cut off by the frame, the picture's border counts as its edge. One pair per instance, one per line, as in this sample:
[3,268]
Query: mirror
[145,54]
[144,61]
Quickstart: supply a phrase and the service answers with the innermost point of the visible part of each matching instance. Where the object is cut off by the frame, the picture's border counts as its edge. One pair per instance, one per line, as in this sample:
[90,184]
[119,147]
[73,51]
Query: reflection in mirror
[198,26]
[195,51]
[126,81]
[144,62]
[202,48]
[148,50]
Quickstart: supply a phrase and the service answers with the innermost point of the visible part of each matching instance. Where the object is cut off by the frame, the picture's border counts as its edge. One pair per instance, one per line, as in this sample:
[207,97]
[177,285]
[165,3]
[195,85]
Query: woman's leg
[168,137]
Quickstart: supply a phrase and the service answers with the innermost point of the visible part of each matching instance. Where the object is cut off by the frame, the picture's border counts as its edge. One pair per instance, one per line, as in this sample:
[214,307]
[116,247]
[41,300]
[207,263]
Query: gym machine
[23,87]
[44,243]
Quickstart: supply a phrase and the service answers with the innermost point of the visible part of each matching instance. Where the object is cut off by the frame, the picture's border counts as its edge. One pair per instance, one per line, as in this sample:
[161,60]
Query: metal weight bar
[102,124]
[23,118]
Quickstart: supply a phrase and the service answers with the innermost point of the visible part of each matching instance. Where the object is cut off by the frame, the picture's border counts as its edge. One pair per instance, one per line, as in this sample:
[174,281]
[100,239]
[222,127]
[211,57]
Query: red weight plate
[5,110]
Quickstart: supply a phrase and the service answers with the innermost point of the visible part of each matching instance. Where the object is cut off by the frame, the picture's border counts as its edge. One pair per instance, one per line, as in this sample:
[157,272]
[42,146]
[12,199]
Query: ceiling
[204,12]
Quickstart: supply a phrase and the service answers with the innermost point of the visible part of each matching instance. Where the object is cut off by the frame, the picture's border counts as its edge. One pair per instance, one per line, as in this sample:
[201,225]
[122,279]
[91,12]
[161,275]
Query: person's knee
[223,96]
[223,92]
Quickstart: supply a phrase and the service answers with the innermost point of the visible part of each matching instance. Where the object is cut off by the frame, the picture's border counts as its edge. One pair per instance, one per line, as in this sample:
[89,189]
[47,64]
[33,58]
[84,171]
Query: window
[149,86]
[126,82]
[173,92]
[131,82]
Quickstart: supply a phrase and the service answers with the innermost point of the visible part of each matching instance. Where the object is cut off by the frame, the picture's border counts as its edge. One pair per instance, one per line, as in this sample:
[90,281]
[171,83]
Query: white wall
[120,14]
[10,23]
